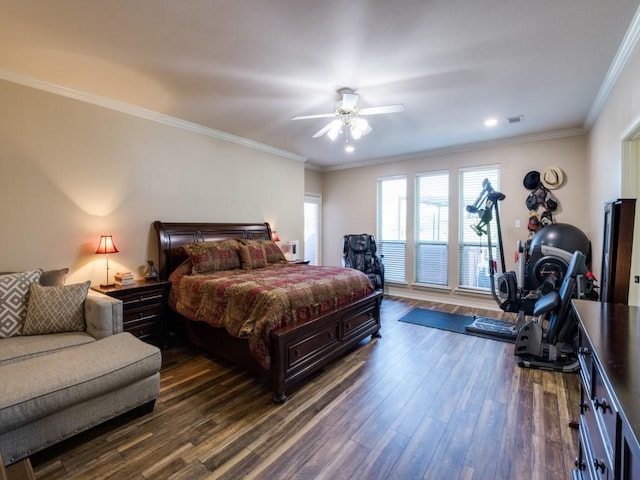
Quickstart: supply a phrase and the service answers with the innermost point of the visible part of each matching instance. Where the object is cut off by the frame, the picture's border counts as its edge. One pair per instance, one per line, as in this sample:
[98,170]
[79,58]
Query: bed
[292,346]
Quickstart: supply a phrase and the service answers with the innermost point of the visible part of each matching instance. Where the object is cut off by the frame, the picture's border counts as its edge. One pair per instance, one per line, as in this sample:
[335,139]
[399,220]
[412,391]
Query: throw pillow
[213,256]
[56,309]
[53,278]
[14,295]
[273,252]
[252,256]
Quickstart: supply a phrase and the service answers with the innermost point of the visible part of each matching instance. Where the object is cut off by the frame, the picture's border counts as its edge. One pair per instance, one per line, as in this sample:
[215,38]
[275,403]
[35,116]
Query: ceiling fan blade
[319,115]
[399,107]
[349,101]
[323,130]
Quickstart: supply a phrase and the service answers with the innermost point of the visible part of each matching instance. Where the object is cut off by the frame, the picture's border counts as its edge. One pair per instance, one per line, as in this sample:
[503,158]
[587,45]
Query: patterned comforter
[249,304]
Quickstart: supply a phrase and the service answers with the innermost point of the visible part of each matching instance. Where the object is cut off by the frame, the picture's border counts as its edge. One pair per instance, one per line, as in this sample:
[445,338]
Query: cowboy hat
[531,180]
[552,177]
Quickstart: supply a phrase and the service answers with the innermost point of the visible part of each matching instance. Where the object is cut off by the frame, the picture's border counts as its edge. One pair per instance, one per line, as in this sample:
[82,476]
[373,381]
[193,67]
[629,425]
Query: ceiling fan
[347,114]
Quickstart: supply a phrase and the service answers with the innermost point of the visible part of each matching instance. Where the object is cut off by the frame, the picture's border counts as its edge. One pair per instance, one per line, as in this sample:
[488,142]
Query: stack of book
[124,278]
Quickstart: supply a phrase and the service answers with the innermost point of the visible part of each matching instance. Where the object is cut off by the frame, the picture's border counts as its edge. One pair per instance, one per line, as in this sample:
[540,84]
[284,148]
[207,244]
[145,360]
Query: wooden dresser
[609,355]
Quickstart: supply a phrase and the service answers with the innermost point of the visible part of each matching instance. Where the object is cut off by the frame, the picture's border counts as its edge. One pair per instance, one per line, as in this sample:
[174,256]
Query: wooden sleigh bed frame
[297,351]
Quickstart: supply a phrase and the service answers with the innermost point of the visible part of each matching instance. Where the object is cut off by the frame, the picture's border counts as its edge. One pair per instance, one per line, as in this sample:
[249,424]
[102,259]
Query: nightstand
[144,307]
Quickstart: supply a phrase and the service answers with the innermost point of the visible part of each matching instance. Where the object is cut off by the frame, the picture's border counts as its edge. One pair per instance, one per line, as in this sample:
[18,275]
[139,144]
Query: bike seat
[546,303]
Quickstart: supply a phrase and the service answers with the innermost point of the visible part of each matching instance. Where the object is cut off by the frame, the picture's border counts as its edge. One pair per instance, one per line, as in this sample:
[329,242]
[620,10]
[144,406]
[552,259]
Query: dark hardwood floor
[421,403]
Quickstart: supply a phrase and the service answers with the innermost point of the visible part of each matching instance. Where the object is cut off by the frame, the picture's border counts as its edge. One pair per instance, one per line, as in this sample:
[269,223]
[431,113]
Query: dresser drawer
[585,358]
[151,313]
[595,456]
[145,329]
[307,349]
[605,412]
[355,325]
[141,299]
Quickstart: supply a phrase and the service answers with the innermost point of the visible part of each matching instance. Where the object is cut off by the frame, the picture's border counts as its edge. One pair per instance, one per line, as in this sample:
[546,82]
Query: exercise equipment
[486,207]
[554,251]
[554,347]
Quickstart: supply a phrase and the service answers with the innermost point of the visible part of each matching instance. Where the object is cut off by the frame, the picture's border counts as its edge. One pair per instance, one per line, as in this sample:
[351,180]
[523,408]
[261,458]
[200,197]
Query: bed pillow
[273,252]
[271,249]
[213,256]
[56,309]
[252,256]
[14,297]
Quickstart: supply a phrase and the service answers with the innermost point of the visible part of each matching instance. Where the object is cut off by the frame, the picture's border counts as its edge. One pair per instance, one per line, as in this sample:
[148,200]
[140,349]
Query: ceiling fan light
[334,129]
[359,128]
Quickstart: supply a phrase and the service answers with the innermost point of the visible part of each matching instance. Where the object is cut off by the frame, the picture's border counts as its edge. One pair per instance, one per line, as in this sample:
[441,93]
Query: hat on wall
[534,222]
[532,201]
[531,180]
[552,177]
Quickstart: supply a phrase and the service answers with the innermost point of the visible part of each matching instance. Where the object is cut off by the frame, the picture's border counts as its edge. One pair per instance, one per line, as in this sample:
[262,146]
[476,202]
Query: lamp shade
[106,245]
[274,236]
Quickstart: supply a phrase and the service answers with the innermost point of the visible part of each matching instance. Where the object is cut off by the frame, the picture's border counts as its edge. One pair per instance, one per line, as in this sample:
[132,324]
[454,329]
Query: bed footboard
[297,351]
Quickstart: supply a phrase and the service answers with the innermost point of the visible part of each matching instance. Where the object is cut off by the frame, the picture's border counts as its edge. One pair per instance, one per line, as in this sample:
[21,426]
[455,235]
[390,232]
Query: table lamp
[106,247]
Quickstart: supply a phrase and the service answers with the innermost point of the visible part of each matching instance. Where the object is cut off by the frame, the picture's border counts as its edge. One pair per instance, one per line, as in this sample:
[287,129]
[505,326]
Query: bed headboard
[171,237]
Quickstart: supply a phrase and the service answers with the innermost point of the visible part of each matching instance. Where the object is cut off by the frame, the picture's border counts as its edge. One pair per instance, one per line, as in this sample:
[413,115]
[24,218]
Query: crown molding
[140,112]
[534,137]
[627,46]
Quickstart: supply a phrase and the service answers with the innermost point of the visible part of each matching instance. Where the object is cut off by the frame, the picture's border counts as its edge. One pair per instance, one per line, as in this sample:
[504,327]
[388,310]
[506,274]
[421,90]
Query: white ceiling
[246,67]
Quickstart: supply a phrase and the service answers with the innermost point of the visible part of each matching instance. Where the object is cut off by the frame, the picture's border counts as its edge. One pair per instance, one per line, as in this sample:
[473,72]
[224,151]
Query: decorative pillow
[14,295]
[53,278]
[271,249]
[56,309]
[252,256]
[273,252]
[213,256]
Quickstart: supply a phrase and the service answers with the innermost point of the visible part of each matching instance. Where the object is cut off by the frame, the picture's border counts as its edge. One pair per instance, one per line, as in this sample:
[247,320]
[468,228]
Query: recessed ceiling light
[349,148]
[490,122]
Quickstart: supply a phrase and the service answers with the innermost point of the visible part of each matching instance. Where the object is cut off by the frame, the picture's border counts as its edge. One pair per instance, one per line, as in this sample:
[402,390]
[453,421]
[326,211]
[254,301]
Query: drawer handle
[296,353]
[580,465]
[602,404]
[599,465]
[330,335]
[584,407]
[348,326]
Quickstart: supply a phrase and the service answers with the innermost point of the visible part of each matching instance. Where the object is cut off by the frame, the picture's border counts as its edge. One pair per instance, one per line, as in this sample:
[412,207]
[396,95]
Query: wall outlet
[517,223]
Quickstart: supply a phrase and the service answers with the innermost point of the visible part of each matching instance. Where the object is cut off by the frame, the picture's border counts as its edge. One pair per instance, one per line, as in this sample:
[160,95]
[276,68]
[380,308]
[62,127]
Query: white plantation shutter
[432,228]
[391,230]
[474,253]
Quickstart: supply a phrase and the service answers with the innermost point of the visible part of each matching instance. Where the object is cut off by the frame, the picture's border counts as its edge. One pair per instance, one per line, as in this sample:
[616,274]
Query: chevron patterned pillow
[56,309]
[14,294]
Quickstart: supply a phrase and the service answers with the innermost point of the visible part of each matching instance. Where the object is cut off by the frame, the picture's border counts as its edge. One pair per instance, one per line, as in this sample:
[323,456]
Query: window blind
[391,226]
[432,228]
[473,248]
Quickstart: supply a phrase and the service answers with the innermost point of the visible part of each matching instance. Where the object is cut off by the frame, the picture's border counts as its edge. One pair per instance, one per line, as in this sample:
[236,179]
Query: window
[474,253]
[432,228]
[391,235]
[312,216]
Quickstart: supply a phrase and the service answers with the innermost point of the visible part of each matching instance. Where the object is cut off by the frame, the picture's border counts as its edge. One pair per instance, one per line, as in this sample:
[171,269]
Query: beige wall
[349,197]
[614,174]
[312,181]
[72,171]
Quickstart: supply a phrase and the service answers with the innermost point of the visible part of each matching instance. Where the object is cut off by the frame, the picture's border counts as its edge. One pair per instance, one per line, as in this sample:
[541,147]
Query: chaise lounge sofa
[58,379]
